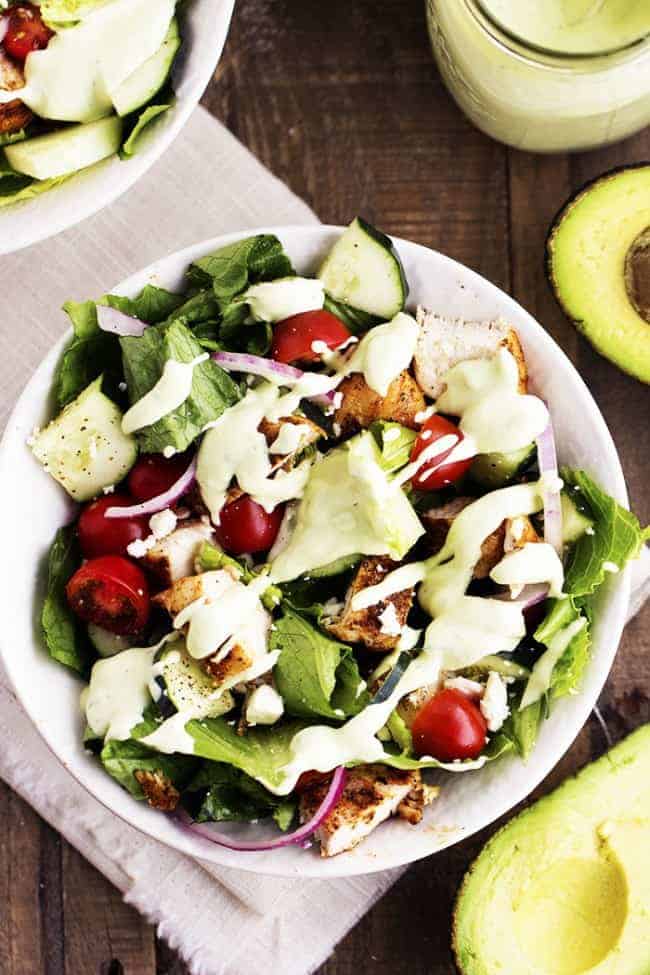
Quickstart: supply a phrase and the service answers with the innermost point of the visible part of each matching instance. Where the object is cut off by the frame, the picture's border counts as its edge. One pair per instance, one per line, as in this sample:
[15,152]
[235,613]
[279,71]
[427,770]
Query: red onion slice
[529,596]
[161,501]
[299,835]
[118,323]
[257,365]
[547,458]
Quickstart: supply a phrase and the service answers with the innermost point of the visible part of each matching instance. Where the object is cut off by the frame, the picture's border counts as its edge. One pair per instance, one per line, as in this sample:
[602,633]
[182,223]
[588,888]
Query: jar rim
[546,57]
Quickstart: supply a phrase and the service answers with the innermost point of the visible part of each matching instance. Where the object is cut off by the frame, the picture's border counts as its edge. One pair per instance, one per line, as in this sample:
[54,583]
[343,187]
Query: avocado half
[598,264]
[564,888]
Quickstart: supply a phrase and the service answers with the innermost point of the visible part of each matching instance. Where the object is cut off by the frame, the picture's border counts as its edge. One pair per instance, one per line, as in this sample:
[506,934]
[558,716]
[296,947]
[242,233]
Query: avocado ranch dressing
[493,415]
[546,75]
[72,79]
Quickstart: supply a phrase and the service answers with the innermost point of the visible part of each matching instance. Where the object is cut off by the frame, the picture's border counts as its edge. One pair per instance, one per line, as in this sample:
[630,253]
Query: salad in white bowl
[80,80]
[323,544]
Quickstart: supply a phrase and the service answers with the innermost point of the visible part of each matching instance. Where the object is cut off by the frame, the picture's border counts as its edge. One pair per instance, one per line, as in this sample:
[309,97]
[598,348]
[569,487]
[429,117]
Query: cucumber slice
[496,470]
[140,87]
[107,644]
[66,150]
[363,269]
[188,687]
[574,522]
[84,448]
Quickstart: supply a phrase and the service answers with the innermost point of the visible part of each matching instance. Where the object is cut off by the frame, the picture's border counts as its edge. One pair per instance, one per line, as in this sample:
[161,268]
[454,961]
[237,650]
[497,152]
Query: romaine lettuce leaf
[93,352]
[122,759]
[316,676]
[229,795]
[261,753]
[65,636]
[231,269]
[617,537]
[131,144]
[213,390]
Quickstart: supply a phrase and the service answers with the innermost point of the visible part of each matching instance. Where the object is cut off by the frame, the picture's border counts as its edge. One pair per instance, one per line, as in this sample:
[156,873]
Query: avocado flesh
[591,257]
[564,888]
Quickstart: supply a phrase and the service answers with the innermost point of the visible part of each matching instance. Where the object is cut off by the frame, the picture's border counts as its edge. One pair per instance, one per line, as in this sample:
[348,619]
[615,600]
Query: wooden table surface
[342,101]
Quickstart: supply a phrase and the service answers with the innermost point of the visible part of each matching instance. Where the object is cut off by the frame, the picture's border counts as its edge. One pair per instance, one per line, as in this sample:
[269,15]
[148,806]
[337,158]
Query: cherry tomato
[26,31]
[153,474]
[293,337]
[111,592]
[246,527]
[436,474]
[449,726]
[99,535]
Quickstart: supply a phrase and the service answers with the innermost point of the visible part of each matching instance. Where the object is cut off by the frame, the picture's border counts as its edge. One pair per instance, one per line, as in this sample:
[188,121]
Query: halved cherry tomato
[449,726]
[153,474]
[293,337]
[111,592]
[435,474]
[99,535]
[26,31]
[246,527]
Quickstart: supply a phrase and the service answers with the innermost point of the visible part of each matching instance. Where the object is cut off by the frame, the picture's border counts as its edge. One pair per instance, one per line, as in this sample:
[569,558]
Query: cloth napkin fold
[222,921]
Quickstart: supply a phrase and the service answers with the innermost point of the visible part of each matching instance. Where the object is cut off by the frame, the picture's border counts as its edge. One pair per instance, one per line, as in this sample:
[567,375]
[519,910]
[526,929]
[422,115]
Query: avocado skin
[555,229]
[629,758]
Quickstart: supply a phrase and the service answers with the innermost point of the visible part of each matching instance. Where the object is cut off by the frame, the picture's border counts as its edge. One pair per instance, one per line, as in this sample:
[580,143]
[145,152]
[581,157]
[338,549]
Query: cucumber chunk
[188,687]
[107,644]
[574,522]
[66,150]
[496,470]
[363,270]
[84,448]
[140,87]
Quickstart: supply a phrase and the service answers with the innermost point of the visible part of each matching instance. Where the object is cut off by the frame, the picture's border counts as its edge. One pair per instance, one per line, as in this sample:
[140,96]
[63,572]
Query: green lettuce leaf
[231,269]
[122,759]
[93,352]
[130,146]
[617,536]
[230,795]
[316,676]
[261,752]
[15,186]
[395,442]
[212,389]
[67,11]
[65,636]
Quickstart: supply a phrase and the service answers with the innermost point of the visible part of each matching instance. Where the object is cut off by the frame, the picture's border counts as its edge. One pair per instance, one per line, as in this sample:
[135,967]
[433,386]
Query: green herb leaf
[231,795]
[65,636]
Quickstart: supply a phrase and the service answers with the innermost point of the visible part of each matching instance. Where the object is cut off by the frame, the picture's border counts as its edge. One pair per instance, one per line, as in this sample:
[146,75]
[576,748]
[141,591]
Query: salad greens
[272,639]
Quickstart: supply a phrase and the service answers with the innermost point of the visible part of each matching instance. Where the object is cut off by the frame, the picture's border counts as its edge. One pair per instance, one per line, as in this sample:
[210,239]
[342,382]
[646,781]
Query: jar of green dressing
[546,75]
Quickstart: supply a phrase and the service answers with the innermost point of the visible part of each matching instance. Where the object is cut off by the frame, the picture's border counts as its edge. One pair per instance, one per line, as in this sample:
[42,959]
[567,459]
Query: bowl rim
[315,867]
[116,185]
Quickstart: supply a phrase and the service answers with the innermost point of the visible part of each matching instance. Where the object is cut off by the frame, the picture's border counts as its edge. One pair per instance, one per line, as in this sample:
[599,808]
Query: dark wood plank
[102,934]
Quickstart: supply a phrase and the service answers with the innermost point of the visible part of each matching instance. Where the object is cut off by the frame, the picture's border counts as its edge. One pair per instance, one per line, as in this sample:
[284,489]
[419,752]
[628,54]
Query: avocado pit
[637,274]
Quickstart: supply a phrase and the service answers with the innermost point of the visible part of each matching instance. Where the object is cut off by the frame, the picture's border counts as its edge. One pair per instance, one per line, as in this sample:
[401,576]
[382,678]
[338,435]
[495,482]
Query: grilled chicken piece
[361,405]
[14,115]
[519,532]
[372,793]
[444,342]
[310,433]
[158,789]
[378,627]
[237,660]
[173,557]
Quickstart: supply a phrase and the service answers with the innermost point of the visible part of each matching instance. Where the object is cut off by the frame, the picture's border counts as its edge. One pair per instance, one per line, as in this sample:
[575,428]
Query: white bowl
[204,27]
[34,507]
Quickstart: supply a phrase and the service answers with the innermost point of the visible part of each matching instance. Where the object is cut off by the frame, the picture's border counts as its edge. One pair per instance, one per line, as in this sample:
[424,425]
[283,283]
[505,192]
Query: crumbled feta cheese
[390,624]
[471,688]
[122,387]
[589,530]
[264,706]
[169,451]
[333,607]
[163,523]
[138,548]
[494,703]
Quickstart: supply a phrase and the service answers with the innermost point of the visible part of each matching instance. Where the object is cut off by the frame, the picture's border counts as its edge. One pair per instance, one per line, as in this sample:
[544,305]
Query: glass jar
[534,98]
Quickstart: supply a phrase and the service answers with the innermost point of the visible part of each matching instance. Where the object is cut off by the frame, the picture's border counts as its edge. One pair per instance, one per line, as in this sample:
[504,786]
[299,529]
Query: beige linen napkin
[222,921]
